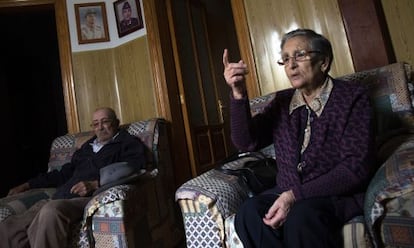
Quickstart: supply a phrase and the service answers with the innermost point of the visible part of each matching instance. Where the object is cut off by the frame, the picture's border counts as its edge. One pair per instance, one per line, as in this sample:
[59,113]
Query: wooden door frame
[166,85]
[184,109]
[65,55]
[357,17]
[246,48]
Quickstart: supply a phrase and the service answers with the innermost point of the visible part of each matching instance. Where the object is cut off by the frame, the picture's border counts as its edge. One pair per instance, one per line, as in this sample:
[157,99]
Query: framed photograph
[128,16]
[91,22]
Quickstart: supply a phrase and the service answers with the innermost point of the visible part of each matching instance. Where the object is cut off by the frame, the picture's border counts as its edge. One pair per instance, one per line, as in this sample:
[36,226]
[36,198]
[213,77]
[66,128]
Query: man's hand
[84,188]
[234,74]
[277,213]
[18,189]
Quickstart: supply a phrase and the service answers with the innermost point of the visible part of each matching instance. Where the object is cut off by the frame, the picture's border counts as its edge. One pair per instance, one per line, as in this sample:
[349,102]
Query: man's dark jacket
[85,164]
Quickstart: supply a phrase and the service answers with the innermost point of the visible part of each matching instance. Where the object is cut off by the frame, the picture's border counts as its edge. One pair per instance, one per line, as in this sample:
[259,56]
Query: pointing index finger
[225,58]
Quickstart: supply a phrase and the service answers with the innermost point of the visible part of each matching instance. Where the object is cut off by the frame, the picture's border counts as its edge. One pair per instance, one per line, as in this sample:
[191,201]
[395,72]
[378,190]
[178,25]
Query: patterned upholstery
[397,229]
[209,201]
[389,88]
[116,217]
[386,204]
[21,202]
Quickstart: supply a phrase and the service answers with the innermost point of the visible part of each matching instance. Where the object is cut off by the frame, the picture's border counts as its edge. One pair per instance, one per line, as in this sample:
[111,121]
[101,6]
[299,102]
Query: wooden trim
[65,54]
[187,128]
[166,86]
[156,59]
[367,33]
[246,48]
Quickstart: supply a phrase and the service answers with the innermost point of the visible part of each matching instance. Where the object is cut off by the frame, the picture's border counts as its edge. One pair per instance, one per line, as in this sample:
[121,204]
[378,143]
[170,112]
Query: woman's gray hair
[317,42]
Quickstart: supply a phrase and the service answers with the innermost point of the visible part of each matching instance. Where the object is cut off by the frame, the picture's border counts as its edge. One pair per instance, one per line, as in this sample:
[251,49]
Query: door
[31,94]
[201,29]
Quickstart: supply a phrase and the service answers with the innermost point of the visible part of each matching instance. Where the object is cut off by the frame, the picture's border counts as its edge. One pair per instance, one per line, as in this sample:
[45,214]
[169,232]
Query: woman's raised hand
[234,74]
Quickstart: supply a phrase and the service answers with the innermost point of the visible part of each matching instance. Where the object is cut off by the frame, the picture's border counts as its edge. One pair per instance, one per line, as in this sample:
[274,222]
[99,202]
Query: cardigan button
[300,166]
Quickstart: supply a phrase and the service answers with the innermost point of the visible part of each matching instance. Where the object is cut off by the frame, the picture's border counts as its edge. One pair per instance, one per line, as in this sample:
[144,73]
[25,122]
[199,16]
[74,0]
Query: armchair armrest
[111,212]
[205,202]
[389,195]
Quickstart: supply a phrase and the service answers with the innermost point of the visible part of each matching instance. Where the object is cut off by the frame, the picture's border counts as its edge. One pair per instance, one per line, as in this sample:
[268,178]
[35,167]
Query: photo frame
[128,16]
[91,22]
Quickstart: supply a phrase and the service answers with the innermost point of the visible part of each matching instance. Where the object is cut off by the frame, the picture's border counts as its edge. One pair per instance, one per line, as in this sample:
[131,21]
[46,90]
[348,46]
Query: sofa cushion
[355,234]
[63,148]
[148,132]
[391,97]
[397,227]
[392,180]
[257,104]
[19,203]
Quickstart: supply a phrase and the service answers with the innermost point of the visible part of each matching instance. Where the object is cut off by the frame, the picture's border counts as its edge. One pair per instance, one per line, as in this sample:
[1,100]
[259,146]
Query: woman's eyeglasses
[299,56]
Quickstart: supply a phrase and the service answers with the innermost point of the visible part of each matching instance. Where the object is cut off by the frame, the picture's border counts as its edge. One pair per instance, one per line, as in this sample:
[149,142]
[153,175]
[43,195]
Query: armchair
[209,201]
[125,215]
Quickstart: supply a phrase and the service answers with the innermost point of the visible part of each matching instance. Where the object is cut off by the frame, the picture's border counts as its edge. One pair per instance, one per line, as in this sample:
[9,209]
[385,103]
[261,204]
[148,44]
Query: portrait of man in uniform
[91,23]
[128,16]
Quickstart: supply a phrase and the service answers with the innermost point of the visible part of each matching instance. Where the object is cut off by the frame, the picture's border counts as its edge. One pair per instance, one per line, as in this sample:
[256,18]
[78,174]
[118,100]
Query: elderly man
[47,223]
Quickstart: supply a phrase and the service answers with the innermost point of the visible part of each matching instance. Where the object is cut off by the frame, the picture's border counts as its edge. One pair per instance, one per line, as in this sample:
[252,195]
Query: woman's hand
[234,74]
[277,213]
[18,189]
[84,188]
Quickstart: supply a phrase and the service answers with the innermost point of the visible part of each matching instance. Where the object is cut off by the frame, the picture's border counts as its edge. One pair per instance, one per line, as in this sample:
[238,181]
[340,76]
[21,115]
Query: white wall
[114,39]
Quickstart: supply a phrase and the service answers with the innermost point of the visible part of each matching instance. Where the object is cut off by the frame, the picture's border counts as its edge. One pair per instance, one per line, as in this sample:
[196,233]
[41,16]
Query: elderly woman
[321,131]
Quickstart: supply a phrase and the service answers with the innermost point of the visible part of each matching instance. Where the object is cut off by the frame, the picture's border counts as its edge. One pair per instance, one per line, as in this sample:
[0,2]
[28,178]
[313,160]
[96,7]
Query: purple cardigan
[339,159]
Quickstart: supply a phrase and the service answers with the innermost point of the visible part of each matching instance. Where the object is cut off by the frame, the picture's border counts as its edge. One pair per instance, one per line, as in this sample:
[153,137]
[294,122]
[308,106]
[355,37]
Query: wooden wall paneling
[324,16]
[400,20]
[367,33]
[268,20]
[134,81]
[95,77]
[119,78]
